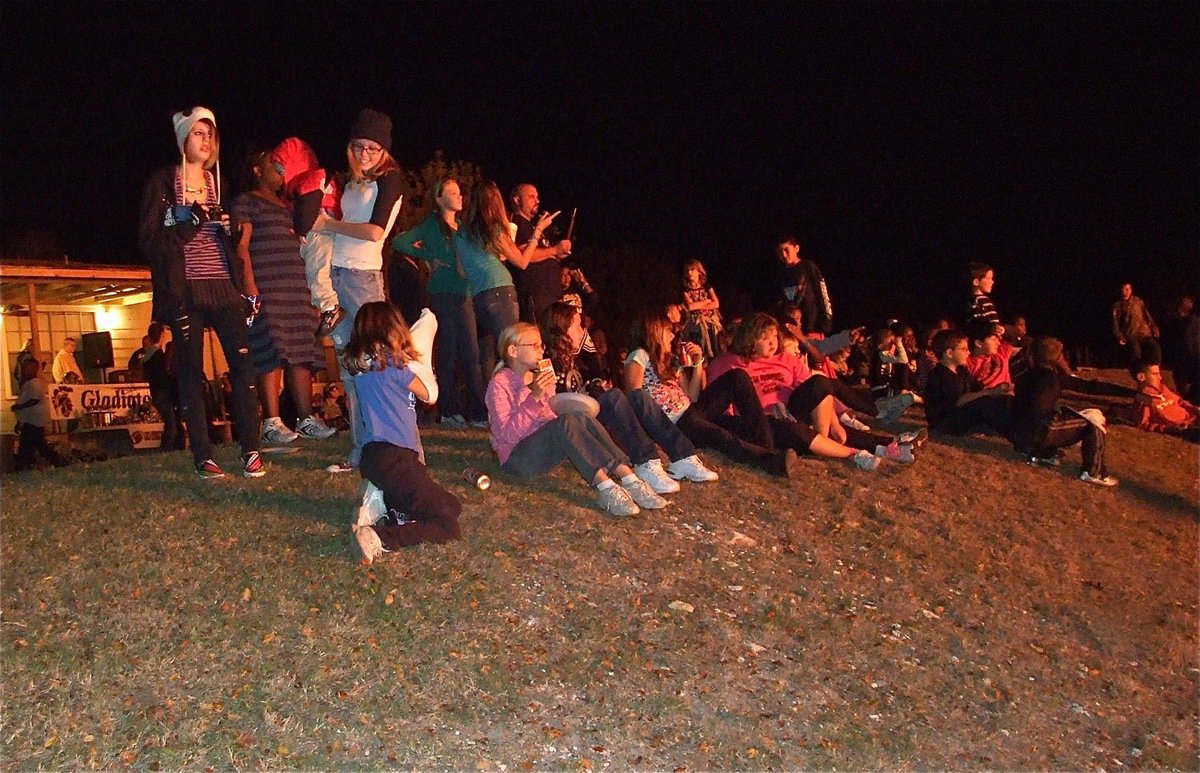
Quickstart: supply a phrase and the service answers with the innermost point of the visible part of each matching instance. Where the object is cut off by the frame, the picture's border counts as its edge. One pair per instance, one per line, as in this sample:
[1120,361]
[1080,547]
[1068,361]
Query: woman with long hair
[281,341]
[370,202]
[675,380]
[433,241]
[635,421]
[200,281]
[484,243]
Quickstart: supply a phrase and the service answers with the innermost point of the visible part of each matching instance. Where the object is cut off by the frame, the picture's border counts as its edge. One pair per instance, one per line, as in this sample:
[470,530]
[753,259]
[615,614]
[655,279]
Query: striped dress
[282,332]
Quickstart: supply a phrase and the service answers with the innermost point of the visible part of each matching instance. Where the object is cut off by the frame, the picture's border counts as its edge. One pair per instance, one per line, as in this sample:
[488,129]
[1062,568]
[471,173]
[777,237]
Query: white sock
[605,484]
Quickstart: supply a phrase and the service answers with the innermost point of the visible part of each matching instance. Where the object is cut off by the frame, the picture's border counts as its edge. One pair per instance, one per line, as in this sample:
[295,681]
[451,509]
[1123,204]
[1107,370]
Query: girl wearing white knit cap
[198,282]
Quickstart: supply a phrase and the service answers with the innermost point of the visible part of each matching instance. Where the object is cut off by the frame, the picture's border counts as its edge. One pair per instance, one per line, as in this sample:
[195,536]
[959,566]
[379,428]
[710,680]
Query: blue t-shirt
[483,269]
[388,407]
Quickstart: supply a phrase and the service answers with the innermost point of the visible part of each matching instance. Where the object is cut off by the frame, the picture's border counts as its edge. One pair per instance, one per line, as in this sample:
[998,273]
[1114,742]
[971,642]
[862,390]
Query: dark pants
[745,437]
[427,512]
[791,434]
[809,395]
[229,323]
[991,412]
[457,347]
[495,310]
[1066,431]
[575,437]
[636,423]
[33,440]
[164,403]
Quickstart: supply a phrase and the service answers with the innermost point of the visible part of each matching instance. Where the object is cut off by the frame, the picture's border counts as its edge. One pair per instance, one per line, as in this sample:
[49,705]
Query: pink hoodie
[513,412]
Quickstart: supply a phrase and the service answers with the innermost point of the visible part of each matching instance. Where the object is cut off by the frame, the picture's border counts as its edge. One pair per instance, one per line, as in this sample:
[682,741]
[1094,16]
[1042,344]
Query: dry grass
[970,612]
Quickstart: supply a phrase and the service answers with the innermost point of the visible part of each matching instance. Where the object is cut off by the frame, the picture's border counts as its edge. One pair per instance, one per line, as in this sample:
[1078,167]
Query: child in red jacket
[1157,409]
[310,191]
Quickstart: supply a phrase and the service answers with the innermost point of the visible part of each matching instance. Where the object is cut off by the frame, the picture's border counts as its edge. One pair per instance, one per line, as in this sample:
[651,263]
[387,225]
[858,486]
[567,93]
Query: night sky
[1057,142]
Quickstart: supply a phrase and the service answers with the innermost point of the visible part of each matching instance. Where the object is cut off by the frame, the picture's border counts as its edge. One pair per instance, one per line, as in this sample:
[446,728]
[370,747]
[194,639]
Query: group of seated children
[747,390]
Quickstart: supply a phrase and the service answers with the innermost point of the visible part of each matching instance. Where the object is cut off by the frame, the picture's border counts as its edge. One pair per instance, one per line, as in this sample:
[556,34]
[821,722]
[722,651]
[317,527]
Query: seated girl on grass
[634,421]
[531,439]
[801,406]
[700,410]
[399,503]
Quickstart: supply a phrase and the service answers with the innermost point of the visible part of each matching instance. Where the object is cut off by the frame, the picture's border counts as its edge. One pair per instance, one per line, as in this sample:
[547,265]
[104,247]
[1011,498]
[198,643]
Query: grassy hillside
[968,612]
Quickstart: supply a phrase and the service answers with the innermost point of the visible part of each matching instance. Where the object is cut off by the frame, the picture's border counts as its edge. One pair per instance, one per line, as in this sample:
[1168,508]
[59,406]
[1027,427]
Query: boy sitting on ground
[1158,409]
[955,403]
[1040,426]
[990,355]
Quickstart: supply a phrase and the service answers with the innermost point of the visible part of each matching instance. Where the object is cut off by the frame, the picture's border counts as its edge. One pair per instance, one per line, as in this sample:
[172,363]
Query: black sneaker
[329,320]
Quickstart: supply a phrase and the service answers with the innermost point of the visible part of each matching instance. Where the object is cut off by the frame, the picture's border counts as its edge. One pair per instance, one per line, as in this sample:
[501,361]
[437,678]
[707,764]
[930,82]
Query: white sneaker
[615,500]
[691,468]
[645,497]
[365,544]
[848,420]
[370,505]
[1102,480]
[916,438]
[276,432]
[314,429]
[655,477]
[343,466]
[866,461]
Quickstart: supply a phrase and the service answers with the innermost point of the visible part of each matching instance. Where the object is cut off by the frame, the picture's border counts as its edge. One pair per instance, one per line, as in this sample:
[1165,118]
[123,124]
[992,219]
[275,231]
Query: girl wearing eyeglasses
[370,202]
[531,439]
[199,281]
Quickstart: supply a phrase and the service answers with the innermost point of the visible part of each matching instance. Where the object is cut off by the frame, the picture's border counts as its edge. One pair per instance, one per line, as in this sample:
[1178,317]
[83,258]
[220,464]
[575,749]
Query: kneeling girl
[383,361]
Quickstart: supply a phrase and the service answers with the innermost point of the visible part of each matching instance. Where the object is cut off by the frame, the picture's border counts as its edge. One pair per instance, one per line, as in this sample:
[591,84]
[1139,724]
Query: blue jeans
[495,309]
[636,422]
[575,437]
[354,288]
[457,347]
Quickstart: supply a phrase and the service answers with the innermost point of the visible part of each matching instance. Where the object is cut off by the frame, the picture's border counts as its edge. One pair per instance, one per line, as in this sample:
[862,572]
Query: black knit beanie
[373,125]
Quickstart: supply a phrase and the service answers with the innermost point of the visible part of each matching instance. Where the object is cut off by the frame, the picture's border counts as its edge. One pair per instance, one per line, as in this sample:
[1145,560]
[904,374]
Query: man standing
[800,281]
[65,369]
[136,359]
[540,283]
[1134,327]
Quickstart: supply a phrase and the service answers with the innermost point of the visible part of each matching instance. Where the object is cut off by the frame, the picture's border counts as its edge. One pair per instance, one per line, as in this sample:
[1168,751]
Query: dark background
[1057,142]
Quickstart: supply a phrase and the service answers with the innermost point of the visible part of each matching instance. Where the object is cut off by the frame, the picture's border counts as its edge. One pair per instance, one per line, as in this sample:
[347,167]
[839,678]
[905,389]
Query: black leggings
[1064,432]
[431,511]
[745,437]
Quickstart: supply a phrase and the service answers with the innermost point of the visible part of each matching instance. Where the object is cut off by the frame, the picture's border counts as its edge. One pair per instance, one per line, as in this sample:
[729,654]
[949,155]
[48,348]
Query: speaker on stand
[96,351]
